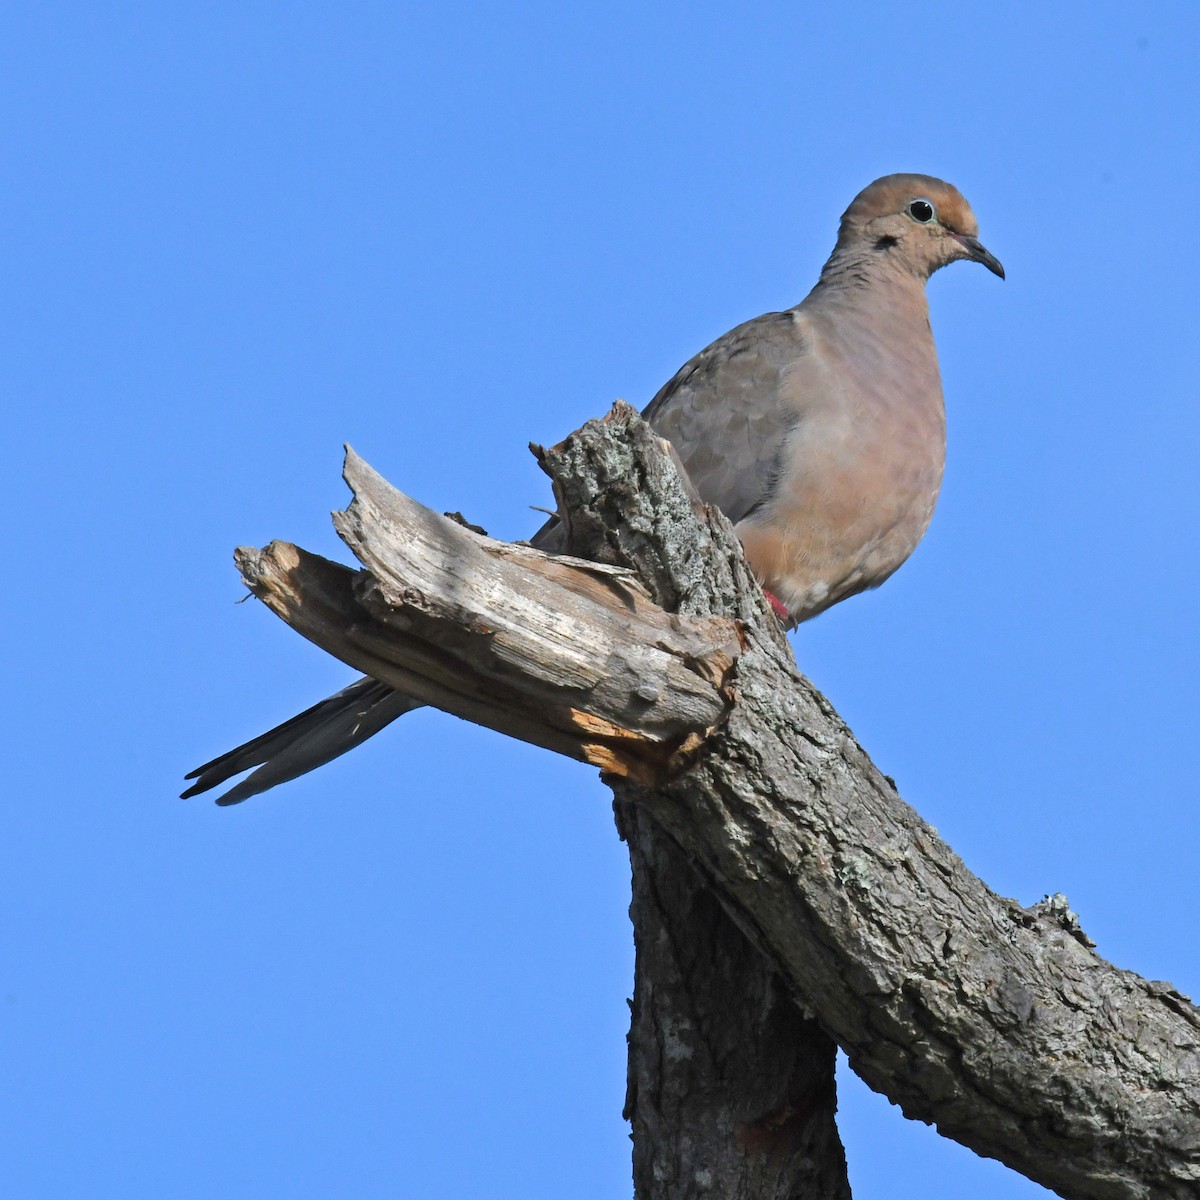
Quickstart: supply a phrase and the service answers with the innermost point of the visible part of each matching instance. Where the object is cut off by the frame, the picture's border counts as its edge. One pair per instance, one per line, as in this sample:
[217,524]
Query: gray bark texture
[731,1087]
[656,657]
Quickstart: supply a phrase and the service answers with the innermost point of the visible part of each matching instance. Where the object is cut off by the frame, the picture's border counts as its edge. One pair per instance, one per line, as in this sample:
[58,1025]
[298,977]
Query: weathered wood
[568,654]
[999,1023]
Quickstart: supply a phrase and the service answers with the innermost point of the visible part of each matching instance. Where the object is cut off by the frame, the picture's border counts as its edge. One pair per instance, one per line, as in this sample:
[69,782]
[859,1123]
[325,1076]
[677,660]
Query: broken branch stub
[567,654]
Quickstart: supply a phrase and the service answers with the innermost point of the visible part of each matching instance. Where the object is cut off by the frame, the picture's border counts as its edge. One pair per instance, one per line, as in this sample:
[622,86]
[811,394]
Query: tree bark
[731,1087]
[997,1022]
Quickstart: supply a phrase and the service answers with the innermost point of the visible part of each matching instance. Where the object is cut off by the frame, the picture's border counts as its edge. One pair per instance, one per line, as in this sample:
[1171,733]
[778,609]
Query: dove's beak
[977,253]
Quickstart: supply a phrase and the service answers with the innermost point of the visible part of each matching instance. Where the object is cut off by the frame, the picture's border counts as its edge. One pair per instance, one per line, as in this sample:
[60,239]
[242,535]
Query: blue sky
[239,235]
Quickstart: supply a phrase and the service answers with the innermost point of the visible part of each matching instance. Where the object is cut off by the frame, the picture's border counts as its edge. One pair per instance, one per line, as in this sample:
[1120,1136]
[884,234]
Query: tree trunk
[731,1087]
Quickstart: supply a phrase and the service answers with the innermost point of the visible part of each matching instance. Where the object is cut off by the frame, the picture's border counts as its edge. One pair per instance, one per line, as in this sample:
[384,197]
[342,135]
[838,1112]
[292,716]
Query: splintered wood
[564,653]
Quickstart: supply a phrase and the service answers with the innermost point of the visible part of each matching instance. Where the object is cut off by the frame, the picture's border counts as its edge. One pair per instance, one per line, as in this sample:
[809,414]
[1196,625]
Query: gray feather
[727,412]
[309,740]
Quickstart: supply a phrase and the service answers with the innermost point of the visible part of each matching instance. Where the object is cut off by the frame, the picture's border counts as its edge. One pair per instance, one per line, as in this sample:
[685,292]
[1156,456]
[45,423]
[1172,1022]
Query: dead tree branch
[997,1022]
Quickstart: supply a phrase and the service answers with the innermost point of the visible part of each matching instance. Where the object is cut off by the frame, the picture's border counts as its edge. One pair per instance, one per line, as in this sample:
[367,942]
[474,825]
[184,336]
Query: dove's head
[916,223]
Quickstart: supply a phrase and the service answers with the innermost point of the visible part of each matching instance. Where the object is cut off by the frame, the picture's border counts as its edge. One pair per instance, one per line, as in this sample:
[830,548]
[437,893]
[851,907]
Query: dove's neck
[873,316]
[869,298]
[858,277]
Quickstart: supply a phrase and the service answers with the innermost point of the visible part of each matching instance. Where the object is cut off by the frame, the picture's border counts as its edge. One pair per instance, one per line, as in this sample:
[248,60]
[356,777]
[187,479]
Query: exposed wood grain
[569,654]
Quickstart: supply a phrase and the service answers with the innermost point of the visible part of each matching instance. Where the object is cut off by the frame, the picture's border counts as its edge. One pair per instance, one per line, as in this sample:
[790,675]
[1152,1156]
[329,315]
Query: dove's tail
[337,724]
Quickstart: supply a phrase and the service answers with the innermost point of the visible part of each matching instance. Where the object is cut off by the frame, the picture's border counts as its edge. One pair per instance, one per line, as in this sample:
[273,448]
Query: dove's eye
[921,210]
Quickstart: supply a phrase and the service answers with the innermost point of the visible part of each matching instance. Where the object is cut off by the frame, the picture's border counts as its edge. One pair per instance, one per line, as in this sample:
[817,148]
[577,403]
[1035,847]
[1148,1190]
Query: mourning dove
[819,431]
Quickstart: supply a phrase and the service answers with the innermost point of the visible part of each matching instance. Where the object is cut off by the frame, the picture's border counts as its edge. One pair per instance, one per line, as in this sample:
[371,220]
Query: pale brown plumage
[820,431]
